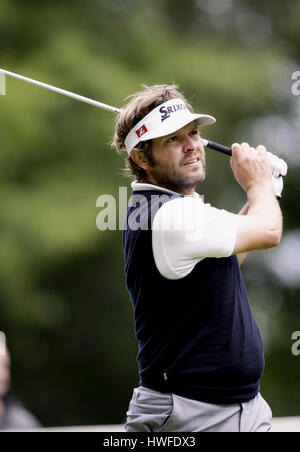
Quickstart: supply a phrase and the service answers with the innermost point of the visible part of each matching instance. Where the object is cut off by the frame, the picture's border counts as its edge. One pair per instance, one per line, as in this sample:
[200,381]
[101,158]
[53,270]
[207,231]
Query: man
[200,353]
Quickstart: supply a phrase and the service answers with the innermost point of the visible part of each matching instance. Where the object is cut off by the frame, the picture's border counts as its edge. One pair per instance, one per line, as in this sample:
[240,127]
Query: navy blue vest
[197,337]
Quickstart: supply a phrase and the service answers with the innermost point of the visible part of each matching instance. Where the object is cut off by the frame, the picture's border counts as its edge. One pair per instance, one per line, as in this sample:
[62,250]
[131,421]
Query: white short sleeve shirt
[186,230]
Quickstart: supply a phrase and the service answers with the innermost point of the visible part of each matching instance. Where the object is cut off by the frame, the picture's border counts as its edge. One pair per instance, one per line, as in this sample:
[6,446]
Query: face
[4,374]
[178,160]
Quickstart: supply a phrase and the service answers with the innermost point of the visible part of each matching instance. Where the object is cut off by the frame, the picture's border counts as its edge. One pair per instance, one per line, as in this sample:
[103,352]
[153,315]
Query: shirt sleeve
[185,231]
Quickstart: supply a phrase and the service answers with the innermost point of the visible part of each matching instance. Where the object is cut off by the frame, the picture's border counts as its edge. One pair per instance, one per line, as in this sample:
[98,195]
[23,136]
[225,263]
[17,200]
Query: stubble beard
[174,179]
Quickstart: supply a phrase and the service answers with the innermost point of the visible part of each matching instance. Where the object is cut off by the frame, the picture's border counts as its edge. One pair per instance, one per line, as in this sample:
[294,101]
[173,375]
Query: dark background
[63,302]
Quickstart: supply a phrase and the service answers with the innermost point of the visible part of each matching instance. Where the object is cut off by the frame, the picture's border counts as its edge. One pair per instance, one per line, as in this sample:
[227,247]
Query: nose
[188,144]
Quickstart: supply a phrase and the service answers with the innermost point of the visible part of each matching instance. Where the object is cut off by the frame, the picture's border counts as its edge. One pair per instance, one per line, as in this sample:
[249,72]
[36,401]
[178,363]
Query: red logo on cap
[141,131]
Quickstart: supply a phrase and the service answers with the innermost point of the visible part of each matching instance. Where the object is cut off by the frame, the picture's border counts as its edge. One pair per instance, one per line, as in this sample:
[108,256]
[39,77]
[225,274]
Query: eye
[194,132]
[170,139]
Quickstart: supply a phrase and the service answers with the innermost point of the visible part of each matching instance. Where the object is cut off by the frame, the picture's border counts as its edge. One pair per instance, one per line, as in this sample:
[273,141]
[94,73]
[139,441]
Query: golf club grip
[219,147]
[225,150]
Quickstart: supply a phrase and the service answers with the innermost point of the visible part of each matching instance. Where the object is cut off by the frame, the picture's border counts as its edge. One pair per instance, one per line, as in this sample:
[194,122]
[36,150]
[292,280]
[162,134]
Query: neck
[182,190]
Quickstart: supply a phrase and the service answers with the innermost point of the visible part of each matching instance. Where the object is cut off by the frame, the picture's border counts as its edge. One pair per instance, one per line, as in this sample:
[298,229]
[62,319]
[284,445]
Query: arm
[261,227]
[241,256]
[209,232]
[244,209]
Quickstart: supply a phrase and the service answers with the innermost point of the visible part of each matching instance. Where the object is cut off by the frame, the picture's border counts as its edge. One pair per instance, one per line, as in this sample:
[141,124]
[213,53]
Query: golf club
[216,146]
[211,144]
[3,72]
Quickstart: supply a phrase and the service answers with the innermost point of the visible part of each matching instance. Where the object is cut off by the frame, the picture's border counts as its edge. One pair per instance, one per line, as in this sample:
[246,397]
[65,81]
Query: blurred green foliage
[63,301]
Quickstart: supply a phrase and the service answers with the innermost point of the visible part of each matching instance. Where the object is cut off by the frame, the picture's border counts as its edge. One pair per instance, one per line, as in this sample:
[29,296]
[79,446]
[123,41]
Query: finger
[232,164]
[253,151]
[260,148]
[249,151]
[235,147]
[262,153]
[245,146]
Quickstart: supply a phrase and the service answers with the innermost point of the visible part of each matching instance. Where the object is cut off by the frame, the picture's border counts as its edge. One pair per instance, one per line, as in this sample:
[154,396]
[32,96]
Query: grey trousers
[153,411]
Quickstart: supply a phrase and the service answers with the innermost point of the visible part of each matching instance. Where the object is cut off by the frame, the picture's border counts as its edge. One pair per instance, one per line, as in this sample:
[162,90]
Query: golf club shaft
[61,91]
[211,144]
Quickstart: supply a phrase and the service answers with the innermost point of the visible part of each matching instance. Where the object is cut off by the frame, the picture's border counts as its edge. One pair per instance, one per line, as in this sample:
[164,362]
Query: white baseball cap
[163,120]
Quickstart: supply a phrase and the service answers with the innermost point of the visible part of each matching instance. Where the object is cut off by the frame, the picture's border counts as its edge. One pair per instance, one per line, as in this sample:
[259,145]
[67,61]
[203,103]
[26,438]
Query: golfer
[200,353]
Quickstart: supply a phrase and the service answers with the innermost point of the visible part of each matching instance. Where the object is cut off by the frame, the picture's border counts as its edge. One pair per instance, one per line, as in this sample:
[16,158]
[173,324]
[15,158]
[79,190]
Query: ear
[139,158]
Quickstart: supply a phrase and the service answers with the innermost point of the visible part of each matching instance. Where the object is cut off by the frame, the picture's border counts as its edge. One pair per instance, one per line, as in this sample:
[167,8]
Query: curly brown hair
[140,104]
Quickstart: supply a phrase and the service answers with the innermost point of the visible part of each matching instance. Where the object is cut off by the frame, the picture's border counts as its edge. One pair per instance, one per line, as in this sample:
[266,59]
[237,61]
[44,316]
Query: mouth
[192,162]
